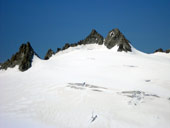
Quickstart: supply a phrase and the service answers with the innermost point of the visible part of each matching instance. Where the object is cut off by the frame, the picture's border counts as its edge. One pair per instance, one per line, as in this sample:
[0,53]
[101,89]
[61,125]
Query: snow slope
[88,86]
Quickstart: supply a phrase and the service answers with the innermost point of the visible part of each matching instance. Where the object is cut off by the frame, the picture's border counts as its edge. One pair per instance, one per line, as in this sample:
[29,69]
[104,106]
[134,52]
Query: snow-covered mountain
[90,84]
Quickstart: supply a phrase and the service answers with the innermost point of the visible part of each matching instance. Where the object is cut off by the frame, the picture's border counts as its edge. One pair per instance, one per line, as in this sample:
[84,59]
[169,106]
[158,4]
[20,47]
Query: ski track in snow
[88,87]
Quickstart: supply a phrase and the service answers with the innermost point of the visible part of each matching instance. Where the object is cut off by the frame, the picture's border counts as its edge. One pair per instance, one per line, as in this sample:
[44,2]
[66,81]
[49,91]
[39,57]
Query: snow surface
[112,34]
[88,86]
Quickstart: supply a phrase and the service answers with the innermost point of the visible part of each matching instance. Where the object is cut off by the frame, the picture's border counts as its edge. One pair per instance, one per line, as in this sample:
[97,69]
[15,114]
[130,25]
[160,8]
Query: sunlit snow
[88,86]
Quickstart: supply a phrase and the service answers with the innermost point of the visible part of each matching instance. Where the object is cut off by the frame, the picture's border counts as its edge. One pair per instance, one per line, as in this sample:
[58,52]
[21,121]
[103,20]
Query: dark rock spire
[23,58]
[115,37]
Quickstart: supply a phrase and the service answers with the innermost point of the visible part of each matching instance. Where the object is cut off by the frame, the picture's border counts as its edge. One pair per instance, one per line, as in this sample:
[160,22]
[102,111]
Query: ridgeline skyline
[51,24]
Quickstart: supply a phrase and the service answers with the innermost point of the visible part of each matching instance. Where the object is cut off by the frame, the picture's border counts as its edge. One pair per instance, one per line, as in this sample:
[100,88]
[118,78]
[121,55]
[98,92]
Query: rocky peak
[23,58]
[93,38]
[49,53]
[115,37]
[93,32]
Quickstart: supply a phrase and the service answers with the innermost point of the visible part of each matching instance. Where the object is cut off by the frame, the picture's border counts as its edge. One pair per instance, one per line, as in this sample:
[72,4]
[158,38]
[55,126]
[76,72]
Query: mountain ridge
[24,56]
[88,86]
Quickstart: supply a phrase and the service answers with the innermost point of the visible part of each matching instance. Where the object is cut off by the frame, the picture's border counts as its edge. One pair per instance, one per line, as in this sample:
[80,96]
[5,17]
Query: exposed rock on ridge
[115,37]
[167,51]
[49,53]
[23,58]
[93,38]
[161,50]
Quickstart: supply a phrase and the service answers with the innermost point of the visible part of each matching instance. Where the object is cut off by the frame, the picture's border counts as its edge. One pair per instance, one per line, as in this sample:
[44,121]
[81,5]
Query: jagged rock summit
[115,37]
[23,58]
[93,38]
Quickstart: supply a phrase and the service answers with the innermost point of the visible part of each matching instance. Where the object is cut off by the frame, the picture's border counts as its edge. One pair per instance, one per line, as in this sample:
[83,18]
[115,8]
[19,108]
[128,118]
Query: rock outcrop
[93,38]
[58,49]
[115,37]
[161,50]
[23,58]
[66,46]
[167,51]
[49,53]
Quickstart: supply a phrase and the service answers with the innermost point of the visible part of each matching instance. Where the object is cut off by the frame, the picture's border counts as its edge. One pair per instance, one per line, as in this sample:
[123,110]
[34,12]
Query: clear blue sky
[52,23]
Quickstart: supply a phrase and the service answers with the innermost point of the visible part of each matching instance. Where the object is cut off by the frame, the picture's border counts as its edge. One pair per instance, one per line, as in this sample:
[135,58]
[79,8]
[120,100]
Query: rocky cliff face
[115,37]
[23,58]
